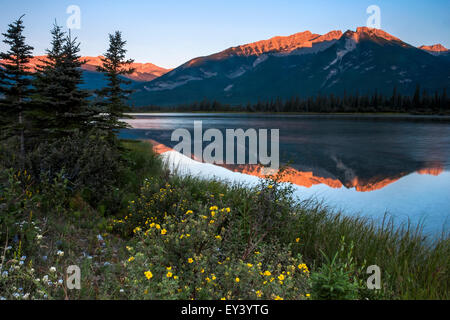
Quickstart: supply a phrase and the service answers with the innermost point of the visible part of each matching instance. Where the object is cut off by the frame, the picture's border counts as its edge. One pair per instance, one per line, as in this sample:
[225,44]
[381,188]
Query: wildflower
[148,275]
[308,295]
[189,212]
[52,269]
[223,299]
[281,277]
[131,259]
[267,273]
[214,208]
[278,298]
[270,187]
[297,240]
[175,277]
[303,267]
[258,293]
[60,253]
[218,237]
[211,222]
[169,274]
[238,280]
[5,274]
[228,210]
[249,265]
[163,231]
[190,260]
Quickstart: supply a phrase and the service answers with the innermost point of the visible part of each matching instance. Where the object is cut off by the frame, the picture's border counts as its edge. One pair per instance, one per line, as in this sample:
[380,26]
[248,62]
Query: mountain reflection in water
[364,155]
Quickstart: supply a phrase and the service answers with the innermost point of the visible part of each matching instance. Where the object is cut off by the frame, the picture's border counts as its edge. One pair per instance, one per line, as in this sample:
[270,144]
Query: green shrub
[337,278]
[187,258]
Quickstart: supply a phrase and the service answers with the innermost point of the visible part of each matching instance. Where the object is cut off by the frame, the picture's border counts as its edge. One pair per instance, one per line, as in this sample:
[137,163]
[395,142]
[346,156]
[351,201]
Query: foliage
[113,97]
[61,107]
[15,84]
[188,254]
[421,103]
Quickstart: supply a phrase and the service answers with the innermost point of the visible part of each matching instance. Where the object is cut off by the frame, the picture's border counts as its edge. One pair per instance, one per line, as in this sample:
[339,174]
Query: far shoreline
[348,116]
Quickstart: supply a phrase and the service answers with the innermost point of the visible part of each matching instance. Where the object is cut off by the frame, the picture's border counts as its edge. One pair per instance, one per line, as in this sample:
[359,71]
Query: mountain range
[304,64]
[93,80]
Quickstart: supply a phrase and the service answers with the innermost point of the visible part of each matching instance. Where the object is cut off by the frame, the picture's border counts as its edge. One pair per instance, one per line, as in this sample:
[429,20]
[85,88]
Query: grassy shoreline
[161,246]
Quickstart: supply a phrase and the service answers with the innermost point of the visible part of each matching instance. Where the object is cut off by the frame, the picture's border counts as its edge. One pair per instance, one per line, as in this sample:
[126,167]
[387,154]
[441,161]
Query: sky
[171,32]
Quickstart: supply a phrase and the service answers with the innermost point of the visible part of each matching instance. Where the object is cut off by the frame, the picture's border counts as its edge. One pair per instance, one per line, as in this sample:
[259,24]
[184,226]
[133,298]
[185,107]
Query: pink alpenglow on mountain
[435,49]
[143,71]
[286,44]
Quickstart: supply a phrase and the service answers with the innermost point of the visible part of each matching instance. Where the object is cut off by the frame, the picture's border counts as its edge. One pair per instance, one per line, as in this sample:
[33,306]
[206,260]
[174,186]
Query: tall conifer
[15,84]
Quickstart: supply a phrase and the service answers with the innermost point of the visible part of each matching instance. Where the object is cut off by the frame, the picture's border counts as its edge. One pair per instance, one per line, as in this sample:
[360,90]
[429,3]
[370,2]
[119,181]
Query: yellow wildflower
[148,275]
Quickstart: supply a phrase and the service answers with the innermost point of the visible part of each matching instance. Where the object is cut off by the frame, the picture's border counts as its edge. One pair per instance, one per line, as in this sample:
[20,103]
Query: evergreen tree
[114,96]
[416,98]
[15,84]
[50,92]
[74,112]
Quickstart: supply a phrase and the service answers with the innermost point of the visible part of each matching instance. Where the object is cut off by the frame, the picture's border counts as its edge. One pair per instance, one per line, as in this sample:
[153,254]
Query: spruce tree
[49,98]
[15,82]
[113,97]
[77,115]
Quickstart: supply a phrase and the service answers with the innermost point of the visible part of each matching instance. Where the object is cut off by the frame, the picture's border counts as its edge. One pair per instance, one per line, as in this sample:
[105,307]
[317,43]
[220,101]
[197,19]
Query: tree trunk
[22,141]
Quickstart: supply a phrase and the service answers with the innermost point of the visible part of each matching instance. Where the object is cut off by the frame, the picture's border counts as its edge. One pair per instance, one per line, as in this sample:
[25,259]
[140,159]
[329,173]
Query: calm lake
[366,165]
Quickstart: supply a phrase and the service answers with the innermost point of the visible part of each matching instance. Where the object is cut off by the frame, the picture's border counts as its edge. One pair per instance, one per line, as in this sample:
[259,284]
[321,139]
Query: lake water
[367,165]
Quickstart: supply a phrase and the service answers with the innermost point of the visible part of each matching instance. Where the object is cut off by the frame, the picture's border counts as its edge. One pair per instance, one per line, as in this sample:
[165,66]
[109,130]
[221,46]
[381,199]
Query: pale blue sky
[170,32]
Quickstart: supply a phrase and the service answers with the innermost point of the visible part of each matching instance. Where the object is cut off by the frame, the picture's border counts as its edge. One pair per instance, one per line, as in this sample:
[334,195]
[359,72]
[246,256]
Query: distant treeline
[420,103]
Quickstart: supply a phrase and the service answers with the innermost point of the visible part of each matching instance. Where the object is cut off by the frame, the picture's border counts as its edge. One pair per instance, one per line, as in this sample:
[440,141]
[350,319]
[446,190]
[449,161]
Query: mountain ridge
[303,64]
[143,71]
